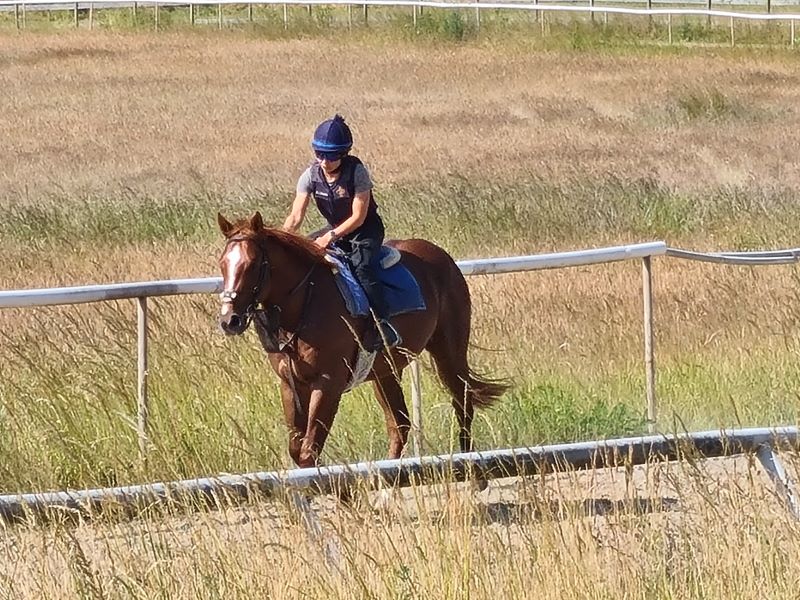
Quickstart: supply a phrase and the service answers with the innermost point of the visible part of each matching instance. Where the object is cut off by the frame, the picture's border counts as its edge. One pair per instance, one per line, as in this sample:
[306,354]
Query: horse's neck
[292,271]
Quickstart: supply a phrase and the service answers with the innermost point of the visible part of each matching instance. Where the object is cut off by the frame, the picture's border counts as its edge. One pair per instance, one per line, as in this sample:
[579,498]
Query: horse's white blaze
[232,258]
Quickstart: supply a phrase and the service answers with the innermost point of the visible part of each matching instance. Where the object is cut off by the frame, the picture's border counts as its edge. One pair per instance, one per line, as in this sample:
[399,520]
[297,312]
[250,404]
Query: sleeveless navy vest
[335,200]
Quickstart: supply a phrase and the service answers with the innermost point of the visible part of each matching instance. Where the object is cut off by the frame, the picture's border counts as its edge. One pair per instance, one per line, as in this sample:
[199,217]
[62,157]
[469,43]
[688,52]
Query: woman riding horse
[341,186]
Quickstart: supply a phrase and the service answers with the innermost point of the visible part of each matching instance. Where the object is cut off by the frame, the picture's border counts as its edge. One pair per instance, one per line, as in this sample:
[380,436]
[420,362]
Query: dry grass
[91,120]
[187,112]
[712,529]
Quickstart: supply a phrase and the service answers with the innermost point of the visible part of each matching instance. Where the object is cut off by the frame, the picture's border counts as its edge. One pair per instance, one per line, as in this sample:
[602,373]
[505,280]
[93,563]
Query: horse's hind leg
[390,395]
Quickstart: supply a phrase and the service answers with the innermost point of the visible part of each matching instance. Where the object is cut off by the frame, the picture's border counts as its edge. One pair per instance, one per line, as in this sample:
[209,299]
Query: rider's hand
[324,241]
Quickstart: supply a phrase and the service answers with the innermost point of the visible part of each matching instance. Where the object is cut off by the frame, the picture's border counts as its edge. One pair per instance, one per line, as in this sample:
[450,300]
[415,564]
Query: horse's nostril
[234,321]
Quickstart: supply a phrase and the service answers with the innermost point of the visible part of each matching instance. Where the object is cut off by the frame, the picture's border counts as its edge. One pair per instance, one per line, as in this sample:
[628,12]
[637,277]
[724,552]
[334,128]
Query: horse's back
[433,268]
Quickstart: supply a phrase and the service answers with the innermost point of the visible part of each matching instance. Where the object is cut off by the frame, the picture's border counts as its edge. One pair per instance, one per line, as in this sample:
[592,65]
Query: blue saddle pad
[401,290]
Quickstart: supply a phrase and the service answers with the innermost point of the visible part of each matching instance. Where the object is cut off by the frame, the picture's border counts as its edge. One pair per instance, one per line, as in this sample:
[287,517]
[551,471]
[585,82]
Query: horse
[284,283]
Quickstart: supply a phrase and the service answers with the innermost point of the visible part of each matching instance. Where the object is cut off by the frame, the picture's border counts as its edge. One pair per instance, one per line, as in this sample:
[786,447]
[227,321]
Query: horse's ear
[256,222]
[225,226]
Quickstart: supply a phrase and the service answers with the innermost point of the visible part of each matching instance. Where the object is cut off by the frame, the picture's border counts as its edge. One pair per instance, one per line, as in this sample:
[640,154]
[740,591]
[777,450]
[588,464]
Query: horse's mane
[301,245]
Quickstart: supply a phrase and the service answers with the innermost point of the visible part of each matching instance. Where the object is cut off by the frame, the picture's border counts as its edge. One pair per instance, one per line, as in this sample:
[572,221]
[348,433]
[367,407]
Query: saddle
[401,289]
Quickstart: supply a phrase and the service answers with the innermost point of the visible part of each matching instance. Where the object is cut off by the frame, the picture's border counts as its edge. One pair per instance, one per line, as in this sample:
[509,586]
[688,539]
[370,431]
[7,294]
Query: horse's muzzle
[233,324]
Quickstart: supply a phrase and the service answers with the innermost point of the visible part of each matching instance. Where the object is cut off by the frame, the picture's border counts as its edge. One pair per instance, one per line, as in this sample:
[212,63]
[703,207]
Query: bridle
[228,296]
[268,316]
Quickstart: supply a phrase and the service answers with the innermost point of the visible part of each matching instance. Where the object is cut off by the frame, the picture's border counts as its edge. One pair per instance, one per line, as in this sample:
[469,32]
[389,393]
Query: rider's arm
[360,206]
[298,212]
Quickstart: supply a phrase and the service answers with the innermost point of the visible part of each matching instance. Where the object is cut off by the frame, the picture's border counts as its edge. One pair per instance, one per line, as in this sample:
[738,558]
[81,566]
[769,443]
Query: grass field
[119,148]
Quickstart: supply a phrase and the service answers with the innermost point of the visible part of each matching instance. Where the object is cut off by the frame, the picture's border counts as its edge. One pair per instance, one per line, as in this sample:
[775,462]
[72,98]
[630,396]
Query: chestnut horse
[283,283]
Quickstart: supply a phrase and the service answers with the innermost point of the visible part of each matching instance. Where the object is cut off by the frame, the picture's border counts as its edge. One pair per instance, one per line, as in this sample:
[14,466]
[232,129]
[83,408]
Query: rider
[342,189]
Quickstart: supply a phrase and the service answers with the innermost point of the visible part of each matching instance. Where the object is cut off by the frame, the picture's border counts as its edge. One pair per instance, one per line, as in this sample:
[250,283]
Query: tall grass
[570,339]
[677,530]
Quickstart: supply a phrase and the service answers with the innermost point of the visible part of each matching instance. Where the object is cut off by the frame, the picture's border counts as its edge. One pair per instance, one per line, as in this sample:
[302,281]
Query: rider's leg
[364,258]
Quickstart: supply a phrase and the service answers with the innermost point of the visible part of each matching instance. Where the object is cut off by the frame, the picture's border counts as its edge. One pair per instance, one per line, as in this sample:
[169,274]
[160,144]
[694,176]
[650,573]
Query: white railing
[589,7]
[491,464]
[644,252]
[141,291]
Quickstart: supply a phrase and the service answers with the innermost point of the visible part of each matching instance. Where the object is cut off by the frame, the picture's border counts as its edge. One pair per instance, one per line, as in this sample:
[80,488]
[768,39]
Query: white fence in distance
[20,8]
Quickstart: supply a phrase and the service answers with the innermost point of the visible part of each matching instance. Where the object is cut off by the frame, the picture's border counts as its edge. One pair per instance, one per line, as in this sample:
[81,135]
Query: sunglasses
[329,156]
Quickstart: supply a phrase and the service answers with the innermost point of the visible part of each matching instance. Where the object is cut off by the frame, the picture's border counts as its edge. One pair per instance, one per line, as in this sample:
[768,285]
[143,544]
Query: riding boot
[381,334]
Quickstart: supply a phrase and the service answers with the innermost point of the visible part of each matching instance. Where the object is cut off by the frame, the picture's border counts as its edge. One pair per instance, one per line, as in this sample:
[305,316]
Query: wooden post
[350,16]
[478,14]
[791,33]
[708,8]
[649,352]
[416,409]
[24,16]
[143,406]
[219,16]
[733,40]
[769,6]
[591,12]
[191,15]
[16,15]
[250,13]
[155,16]
[285,17]
[91,16]
[76,15]
[135,11]
[366,15]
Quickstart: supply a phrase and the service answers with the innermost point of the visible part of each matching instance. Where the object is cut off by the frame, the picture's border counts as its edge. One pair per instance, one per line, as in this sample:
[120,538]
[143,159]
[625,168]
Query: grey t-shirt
[361,180]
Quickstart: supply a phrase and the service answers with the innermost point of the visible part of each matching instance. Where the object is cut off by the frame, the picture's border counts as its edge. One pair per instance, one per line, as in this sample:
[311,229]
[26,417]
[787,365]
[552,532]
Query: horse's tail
[484,392]
[450,343]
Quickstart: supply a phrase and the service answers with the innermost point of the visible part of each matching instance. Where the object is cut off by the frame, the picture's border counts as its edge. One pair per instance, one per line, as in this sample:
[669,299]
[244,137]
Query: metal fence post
[669,28]
[780,478]
[416,409]
[143,407]
[649,353]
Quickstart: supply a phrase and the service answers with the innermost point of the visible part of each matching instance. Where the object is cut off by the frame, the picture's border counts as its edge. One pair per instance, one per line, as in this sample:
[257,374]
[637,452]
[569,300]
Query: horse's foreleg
[390,395]
[294,416]
[322,407]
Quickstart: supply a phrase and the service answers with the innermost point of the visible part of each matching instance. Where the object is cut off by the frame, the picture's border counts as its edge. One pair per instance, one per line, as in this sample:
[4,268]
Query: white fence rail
[644,252]
[538,460]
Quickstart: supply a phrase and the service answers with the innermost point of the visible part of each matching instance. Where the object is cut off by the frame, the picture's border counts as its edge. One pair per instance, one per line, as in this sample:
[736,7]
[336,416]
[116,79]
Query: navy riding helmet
[332,139]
